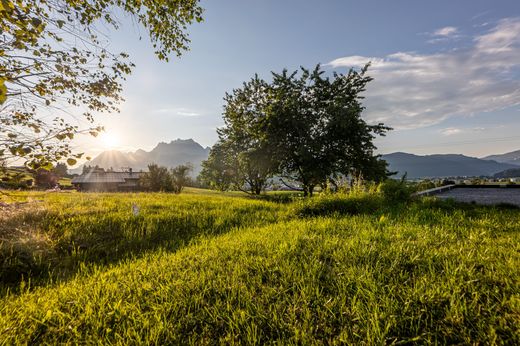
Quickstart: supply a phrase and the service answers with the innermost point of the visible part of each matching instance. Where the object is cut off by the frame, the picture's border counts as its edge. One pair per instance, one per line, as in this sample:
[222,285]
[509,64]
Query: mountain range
[512,158]
[447,165]
[177,152]
[182,151]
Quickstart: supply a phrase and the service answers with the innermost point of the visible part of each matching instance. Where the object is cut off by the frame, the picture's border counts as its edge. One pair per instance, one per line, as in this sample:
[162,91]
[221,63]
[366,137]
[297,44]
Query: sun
[110,140]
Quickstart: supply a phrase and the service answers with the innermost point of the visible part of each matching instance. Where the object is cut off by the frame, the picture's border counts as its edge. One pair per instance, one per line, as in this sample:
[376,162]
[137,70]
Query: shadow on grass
[49,246]
[40,246]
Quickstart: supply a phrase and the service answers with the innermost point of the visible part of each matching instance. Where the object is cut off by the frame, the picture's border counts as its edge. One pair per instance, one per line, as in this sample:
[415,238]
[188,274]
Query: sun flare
[110,140]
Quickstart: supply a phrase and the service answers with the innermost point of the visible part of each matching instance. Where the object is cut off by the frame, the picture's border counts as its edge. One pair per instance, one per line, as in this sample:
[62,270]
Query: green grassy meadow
[210,268]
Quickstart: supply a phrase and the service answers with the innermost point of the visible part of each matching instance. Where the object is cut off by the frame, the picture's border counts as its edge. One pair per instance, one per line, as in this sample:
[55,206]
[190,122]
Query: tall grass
[51,239]
[331,270]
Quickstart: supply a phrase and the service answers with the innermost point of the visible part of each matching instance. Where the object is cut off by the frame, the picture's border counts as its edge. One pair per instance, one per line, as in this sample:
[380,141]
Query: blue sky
[447,73]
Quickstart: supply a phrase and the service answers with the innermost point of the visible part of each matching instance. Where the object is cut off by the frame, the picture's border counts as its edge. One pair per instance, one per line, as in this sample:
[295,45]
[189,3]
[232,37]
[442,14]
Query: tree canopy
[159,178]
[54,65]
[302,126]
[246,152]
[217,172]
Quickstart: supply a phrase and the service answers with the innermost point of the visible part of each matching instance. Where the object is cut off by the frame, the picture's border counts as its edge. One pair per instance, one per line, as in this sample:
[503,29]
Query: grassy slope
[58,233]
[429,272]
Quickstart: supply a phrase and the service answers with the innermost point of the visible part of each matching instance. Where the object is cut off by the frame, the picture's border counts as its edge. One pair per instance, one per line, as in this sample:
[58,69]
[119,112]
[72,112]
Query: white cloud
[504,37]
[412,90]
[187,113]
[446,31]
[450,131]
[354,61]
[445,34]
[183,112]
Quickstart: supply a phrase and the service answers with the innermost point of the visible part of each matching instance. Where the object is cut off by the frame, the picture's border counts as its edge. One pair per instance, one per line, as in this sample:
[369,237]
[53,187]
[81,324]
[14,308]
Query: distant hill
[508,173]
[181,151]
[177,152]
[511,158]
[438,166]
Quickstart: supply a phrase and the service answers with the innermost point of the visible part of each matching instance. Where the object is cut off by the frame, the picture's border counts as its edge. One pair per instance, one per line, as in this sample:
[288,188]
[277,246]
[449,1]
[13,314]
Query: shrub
[426,185]
[338,204]
[157,179]
[160,179]
[180,178]
[395,191]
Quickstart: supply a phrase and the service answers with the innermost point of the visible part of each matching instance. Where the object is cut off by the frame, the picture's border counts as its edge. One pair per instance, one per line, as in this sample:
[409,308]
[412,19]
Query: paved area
[483,196]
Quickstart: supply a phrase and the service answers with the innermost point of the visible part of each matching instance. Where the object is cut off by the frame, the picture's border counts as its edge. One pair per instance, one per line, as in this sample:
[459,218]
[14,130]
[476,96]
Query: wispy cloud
[187,113]
[503,38]
[447,31]
[183,112]
[412,90]
[450,131]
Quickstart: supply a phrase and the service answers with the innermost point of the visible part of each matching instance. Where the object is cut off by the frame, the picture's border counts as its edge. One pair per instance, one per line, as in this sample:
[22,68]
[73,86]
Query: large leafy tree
[56,72]
[243,145]
[245,118]
[304,127]
[316,128]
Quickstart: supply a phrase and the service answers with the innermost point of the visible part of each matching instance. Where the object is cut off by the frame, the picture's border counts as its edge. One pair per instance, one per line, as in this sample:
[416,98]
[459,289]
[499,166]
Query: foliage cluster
[54,63]
[159,178]
[327,205]
[300,127]
[396,191]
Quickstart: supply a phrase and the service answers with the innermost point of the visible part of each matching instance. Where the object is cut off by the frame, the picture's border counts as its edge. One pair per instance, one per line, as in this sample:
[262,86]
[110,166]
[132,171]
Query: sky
[446,73]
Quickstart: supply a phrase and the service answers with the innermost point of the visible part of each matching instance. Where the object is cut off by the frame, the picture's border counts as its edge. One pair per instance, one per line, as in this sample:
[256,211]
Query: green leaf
[3,91]
[36,22]
[71,162]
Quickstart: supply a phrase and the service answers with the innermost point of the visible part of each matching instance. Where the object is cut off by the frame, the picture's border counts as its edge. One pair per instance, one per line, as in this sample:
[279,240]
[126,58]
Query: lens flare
[110,140]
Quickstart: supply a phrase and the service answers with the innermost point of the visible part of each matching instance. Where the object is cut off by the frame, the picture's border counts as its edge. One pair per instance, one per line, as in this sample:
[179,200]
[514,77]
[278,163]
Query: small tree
[180,177]
[216,172]
[157,179]
[60,170]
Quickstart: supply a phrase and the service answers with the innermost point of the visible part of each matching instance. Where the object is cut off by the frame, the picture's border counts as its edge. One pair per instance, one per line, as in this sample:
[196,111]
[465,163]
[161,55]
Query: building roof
[105,178]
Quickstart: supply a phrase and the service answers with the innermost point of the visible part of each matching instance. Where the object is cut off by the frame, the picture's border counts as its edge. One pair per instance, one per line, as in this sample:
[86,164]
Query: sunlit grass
[204,268]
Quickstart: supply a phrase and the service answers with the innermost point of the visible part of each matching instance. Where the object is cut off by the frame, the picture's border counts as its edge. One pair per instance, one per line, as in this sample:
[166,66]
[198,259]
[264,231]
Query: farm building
[107,181]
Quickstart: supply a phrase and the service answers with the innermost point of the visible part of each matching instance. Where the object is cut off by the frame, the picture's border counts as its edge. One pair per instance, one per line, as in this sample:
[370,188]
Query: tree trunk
[256,187]
[311,190]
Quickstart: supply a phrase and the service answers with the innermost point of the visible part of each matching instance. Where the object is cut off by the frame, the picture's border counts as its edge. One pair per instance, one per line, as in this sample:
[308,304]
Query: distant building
[100,181]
